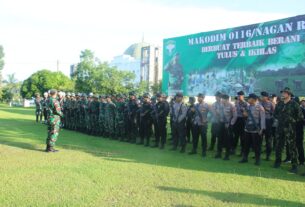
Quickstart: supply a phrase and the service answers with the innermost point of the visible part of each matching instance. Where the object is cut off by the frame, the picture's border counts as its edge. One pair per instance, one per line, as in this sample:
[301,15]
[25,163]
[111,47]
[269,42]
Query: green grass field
[92,171]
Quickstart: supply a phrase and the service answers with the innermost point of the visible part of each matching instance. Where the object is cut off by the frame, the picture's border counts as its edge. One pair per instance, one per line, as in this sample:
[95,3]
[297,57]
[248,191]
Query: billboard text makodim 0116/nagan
[266,56]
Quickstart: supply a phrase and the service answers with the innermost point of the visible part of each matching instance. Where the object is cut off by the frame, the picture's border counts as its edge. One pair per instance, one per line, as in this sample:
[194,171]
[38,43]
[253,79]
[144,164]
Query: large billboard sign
[266,56]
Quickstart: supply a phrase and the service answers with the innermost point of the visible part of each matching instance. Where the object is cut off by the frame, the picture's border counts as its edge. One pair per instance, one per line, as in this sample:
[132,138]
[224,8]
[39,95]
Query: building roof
[134,50]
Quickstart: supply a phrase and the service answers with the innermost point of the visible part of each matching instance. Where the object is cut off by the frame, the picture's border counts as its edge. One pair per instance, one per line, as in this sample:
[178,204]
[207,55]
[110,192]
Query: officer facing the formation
[38,104]
[200,125]
[254,127]
[55,114]
[161,111]
[288,113]
[269,110]
[178,112]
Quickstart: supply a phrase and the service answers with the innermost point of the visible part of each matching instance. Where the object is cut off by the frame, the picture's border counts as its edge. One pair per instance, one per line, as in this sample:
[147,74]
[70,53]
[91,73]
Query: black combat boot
[277,164]
[218,155]
[244,160]
[156,145]
[193,152]
[294,169]
[147,143]
[48,148]
[162,146]
[257,162]
[182,149]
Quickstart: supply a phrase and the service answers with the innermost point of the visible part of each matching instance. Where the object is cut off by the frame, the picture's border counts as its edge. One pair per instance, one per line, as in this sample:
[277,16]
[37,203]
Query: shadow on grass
[127,153]
[241,198]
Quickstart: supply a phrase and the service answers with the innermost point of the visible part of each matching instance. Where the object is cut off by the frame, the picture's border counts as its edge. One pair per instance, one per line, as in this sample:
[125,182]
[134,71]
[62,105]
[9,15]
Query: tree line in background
[91,75]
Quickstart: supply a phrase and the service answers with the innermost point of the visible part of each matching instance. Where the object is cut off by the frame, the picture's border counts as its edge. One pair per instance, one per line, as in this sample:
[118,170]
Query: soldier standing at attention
[178,112]
[215,109]
[55,114]
[288,113]
[61,100]
[300,135]
[269,110]
[190,119]
[38,104]
[227,119]
[44,107]
[94,110]
[200,125]
[161,111]
[119,118]
[110,117]
[102,120]
[255,125]
[239,127]
[145,120]
[131,112]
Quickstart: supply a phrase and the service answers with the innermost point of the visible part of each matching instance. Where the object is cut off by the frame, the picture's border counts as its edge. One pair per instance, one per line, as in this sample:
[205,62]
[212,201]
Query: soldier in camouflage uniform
[119,118]
[101,119]
[38,104]
[65,110]
[110,118]
[145,129]
[94,114]
[74,110]
[44,107]
[70,111]
[77,111]
[82,113]
[55,114]
[288,113]
[131,123]
[87,119]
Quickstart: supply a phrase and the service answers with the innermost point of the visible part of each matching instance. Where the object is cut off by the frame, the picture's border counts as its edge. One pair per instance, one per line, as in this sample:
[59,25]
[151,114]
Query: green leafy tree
[157,87]
[93,76]
[11,89]
[44,80]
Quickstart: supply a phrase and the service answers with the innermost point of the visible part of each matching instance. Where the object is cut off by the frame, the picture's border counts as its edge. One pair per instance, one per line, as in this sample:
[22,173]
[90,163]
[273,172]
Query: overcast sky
[37,33]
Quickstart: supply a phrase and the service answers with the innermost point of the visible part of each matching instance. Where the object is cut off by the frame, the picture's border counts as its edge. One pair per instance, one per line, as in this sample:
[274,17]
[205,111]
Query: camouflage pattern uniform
[101,119]
[119,118]
[110,118]
[94,114]
[55,114]
[38,112]
[287,115]
[82,113]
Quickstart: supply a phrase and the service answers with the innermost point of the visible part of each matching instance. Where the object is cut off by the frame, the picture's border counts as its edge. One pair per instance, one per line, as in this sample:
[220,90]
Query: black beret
[225,96]
[218,94]
[179,94]
[253,95]
[201,95]
[265,94]
[240,93]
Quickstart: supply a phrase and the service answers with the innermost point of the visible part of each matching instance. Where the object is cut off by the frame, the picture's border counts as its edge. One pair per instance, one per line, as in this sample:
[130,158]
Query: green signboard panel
[266,56]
